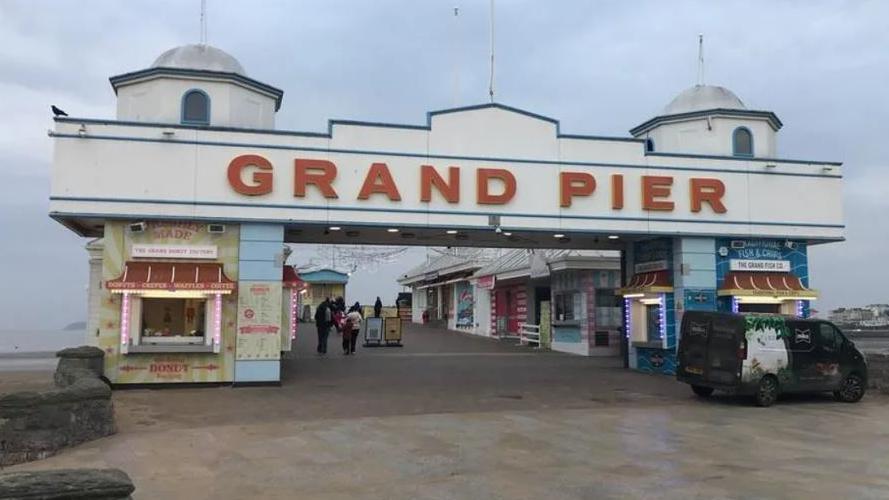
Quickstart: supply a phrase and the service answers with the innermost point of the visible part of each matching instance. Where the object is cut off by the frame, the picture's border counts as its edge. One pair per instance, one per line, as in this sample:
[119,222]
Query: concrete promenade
[453,416]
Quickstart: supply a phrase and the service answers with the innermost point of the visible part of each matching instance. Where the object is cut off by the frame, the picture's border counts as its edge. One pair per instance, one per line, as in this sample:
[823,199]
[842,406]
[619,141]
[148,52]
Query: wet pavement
[454,416]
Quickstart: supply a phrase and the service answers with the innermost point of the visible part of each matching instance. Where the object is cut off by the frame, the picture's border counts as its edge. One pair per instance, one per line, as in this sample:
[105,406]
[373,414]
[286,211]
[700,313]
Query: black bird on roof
[58,112]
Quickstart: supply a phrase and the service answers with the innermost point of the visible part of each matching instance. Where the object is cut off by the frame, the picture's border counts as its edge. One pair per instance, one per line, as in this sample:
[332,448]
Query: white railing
[529,334]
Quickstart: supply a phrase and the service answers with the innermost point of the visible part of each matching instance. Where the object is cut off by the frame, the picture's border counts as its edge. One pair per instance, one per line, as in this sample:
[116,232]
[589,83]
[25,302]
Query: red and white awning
[143,276]
[756,284]
[291,279]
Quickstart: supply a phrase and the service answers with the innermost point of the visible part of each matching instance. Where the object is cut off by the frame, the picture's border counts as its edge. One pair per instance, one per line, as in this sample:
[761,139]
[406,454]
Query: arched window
[742,142]
[196,107]
[649,145]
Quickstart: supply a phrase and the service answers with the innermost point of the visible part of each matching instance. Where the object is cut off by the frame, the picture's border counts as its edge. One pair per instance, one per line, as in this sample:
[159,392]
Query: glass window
[601,338]
[565,306]
[196,107]
[173,320]
[605,297]
[649,145]
[653,320]
[742,142]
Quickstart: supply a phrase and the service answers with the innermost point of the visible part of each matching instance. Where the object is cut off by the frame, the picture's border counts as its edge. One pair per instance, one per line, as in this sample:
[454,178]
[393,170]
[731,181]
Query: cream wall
[694,136]
[160,101]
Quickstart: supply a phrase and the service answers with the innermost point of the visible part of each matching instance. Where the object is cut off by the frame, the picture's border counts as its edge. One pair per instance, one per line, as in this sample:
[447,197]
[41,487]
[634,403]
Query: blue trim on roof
[427,155]
[746,158]
[359,123]
[211,128]
[434,212]
[744,113]
[118,80]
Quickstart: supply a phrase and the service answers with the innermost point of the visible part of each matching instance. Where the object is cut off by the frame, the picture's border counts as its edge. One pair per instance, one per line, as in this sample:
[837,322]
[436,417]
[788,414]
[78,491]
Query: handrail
[529,334]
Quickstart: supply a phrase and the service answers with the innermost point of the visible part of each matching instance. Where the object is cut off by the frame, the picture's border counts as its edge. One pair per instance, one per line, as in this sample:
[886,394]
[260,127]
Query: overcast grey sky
[599,67]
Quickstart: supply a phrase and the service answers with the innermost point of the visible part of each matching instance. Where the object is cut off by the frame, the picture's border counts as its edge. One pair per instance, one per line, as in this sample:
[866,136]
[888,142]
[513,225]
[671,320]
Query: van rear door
[709,348]
[693,345]
[726,349]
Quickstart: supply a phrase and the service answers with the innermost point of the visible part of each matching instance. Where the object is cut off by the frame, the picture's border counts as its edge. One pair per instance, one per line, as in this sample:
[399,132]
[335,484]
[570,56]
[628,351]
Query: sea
[35,349]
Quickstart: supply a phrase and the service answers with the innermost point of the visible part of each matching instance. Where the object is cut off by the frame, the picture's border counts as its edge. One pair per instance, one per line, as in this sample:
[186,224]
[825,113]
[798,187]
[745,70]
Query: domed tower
[196,85]
[711,120]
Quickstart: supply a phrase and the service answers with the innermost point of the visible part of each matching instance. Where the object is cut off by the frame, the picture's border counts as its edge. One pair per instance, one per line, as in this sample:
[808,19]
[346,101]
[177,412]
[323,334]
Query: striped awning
[650,282]
[756,284]
[291,279]
[172,276]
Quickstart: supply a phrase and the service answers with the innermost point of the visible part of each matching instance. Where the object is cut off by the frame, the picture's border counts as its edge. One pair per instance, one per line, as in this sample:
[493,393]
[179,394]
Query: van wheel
[767,392]
[702,391]
[851,390]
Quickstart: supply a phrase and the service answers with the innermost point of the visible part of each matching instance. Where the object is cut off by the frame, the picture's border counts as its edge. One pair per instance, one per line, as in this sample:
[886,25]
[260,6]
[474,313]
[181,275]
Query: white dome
[203,57]
[703,97]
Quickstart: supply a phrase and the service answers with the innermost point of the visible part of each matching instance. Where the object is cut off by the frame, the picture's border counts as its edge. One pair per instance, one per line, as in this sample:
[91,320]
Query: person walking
[340,304]
[378,307]
[351,328]
[323,320]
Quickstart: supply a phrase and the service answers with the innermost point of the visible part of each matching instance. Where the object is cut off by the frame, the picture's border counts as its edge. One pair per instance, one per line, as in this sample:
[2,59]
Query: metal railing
[529,334]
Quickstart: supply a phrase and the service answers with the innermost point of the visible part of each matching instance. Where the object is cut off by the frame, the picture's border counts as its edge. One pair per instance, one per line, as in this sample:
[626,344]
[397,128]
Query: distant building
[321,284]
[569,294]
[869,316]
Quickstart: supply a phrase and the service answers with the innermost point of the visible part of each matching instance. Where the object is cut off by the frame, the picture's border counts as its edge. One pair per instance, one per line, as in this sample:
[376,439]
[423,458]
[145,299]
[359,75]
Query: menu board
[373,330]
[259,320]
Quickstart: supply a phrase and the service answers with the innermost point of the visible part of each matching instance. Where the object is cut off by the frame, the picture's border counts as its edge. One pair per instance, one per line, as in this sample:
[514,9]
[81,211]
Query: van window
[827,335]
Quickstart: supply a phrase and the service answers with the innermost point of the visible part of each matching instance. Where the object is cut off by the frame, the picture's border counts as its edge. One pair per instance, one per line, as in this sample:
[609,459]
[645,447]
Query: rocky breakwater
[37,424]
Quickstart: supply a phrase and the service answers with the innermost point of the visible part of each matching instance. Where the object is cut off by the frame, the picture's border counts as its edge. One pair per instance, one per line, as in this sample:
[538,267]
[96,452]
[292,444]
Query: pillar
[694,280]
[95,249]
[260,272]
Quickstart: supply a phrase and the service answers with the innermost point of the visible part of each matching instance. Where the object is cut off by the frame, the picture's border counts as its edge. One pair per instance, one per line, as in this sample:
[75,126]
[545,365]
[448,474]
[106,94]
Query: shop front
[649,307]
[168,302]
[764,276]
[294,292]
[586,313]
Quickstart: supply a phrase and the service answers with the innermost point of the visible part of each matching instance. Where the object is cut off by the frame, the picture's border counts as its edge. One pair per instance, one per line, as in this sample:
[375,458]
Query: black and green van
[766,354]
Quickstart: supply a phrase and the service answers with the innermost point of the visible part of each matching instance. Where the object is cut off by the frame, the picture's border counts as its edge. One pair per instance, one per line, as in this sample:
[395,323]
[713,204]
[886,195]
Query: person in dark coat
[323,320]
[340,305]
[378,308]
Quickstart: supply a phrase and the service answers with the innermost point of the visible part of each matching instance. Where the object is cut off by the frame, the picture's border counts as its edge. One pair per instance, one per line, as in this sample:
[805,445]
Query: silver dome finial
[203,22]
[700,59]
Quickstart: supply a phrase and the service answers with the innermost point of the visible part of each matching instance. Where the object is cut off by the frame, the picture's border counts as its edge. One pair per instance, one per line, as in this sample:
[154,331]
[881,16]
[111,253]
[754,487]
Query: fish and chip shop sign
[461,168]
[773,266]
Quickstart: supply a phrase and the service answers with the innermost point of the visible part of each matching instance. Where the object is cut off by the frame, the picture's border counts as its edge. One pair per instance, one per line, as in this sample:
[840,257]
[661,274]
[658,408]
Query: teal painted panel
[258,371]
[698,245]
[260,250]
[262,232]
[324,276]
[255,270]
[567,334]
[700,261]
[699,279]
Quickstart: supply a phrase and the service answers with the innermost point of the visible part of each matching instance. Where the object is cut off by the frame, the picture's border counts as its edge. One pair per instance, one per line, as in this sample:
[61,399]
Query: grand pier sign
[462,167]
